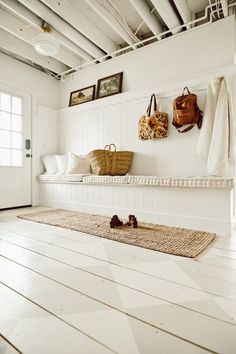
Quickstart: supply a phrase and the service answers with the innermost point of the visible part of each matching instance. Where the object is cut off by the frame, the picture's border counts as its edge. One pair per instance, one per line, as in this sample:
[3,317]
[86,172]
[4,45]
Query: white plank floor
[64,292]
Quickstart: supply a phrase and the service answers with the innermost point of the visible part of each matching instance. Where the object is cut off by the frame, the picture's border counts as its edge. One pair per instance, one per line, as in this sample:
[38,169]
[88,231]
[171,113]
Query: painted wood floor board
[89,315]
[33,330]
[6,347]
[128,252]
[230,246]
[28,227]
[204,331]
[223,262]
[208,270]
[59,236]
[97,251]
[229,254]
[215,306]
[170,271]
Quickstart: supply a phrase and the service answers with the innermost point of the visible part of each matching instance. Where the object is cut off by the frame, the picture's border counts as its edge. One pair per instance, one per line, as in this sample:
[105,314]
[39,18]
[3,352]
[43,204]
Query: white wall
[84,129]
[44,91]
[45,137]
[191,58]
[169,61]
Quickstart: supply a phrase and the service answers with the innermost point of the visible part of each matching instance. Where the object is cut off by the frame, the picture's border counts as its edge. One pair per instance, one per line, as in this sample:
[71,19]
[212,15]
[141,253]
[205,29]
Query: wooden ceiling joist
[25,50]
[62,26]
[24,13]
[18,29]
[82,24]
[144,12]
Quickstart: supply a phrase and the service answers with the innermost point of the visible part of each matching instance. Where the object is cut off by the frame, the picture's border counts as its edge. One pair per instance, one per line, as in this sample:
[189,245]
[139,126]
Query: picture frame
[83,95]
[109,85]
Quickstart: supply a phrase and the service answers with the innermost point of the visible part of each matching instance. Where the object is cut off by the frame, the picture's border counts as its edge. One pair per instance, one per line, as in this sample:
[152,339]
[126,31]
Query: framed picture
[109,85]
[81,96]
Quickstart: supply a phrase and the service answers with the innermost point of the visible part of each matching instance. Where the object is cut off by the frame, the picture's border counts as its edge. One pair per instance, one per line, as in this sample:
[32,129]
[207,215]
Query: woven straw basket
[110,162]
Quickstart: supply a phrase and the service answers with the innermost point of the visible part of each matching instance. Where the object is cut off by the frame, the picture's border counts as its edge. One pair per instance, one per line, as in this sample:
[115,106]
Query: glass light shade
[46,44]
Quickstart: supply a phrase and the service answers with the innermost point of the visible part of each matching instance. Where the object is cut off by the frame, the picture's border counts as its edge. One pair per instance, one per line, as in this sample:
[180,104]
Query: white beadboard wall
[200,50]
[44,142]
[197,208]
[115,120]
[191,58]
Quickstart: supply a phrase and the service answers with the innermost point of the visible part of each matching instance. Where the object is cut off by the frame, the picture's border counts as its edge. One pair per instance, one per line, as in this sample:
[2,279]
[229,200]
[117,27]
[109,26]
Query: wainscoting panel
[197,208]
[93,125]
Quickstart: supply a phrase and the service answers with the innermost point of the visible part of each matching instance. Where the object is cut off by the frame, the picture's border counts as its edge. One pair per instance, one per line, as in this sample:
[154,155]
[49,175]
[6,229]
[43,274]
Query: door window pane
[16,123]
[5,138]
[5,102]
[5,157]
[5,120]
[16,140]
[16,158]
[11,134]
[16,105]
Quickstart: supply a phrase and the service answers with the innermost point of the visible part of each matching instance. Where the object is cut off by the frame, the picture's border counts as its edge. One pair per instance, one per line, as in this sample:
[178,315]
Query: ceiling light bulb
[46,44]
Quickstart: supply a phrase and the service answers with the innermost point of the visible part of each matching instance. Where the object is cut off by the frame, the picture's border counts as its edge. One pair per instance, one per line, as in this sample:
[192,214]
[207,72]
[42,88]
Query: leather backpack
[186,112]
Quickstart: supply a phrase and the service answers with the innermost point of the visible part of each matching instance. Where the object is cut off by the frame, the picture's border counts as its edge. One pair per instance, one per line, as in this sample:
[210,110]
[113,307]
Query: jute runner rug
[172,240]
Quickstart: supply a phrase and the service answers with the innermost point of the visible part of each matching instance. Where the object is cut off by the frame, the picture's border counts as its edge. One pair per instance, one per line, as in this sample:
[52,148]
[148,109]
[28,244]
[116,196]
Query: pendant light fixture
[46,43]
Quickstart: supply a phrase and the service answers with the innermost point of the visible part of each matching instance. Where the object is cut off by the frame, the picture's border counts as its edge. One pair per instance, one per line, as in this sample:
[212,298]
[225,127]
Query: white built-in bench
[204,203]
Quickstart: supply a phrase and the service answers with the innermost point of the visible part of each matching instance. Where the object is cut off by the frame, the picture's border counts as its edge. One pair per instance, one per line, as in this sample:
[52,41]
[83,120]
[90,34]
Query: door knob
[28,155]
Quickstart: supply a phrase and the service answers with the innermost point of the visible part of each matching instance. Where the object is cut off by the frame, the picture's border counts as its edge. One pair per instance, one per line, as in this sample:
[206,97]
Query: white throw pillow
[50,163]
[62,164]
[78,164]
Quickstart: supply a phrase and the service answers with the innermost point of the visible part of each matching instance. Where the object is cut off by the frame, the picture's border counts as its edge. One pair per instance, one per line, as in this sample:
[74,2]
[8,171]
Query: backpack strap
[187,129]
[188,92]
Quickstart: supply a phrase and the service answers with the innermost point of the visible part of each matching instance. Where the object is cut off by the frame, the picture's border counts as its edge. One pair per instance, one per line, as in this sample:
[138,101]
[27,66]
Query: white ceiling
[88,29]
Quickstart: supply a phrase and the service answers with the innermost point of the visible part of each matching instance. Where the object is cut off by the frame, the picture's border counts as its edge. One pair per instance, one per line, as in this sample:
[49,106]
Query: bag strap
[187,129]
[107,147]
[198,120]
[149,109]
[186,89]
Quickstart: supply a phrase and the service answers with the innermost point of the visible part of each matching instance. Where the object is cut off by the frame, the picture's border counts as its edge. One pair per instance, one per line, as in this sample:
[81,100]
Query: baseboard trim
[219,226]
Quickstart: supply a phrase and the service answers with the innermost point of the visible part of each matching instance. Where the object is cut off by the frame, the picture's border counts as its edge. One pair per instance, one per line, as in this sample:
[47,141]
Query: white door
[15,148]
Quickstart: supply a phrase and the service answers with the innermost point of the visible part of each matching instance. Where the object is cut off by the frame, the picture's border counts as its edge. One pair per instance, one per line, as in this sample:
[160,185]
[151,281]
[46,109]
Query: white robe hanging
[215,142]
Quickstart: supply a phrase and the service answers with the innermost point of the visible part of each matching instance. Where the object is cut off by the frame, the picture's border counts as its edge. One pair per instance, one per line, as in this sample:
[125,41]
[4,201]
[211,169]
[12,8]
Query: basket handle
[109,147]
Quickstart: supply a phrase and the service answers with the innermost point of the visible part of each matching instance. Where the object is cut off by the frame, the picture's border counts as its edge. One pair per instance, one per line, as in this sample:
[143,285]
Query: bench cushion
[184,182]
[199,182]
[106,179]
[61,178]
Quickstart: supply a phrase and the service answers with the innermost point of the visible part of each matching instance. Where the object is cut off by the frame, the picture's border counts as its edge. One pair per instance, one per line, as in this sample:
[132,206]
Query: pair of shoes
[115,221]
[132,221]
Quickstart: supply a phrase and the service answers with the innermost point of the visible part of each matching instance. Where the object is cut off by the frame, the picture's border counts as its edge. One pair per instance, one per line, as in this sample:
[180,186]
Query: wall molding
[196,83]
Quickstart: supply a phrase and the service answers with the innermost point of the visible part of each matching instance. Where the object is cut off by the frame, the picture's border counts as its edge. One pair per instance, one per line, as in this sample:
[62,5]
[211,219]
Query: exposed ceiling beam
[224,4]
[104,10]
[17,46]
[24,13]
[79,21]
[167,13]
[144,12]
[184,10]
[17,27]
[61,26]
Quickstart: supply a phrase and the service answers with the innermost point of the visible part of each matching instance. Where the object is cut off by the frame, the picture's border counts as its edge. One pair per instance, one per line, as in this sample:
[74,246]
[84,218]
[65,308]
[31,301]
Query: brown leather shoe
[132,221]
[115,221]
